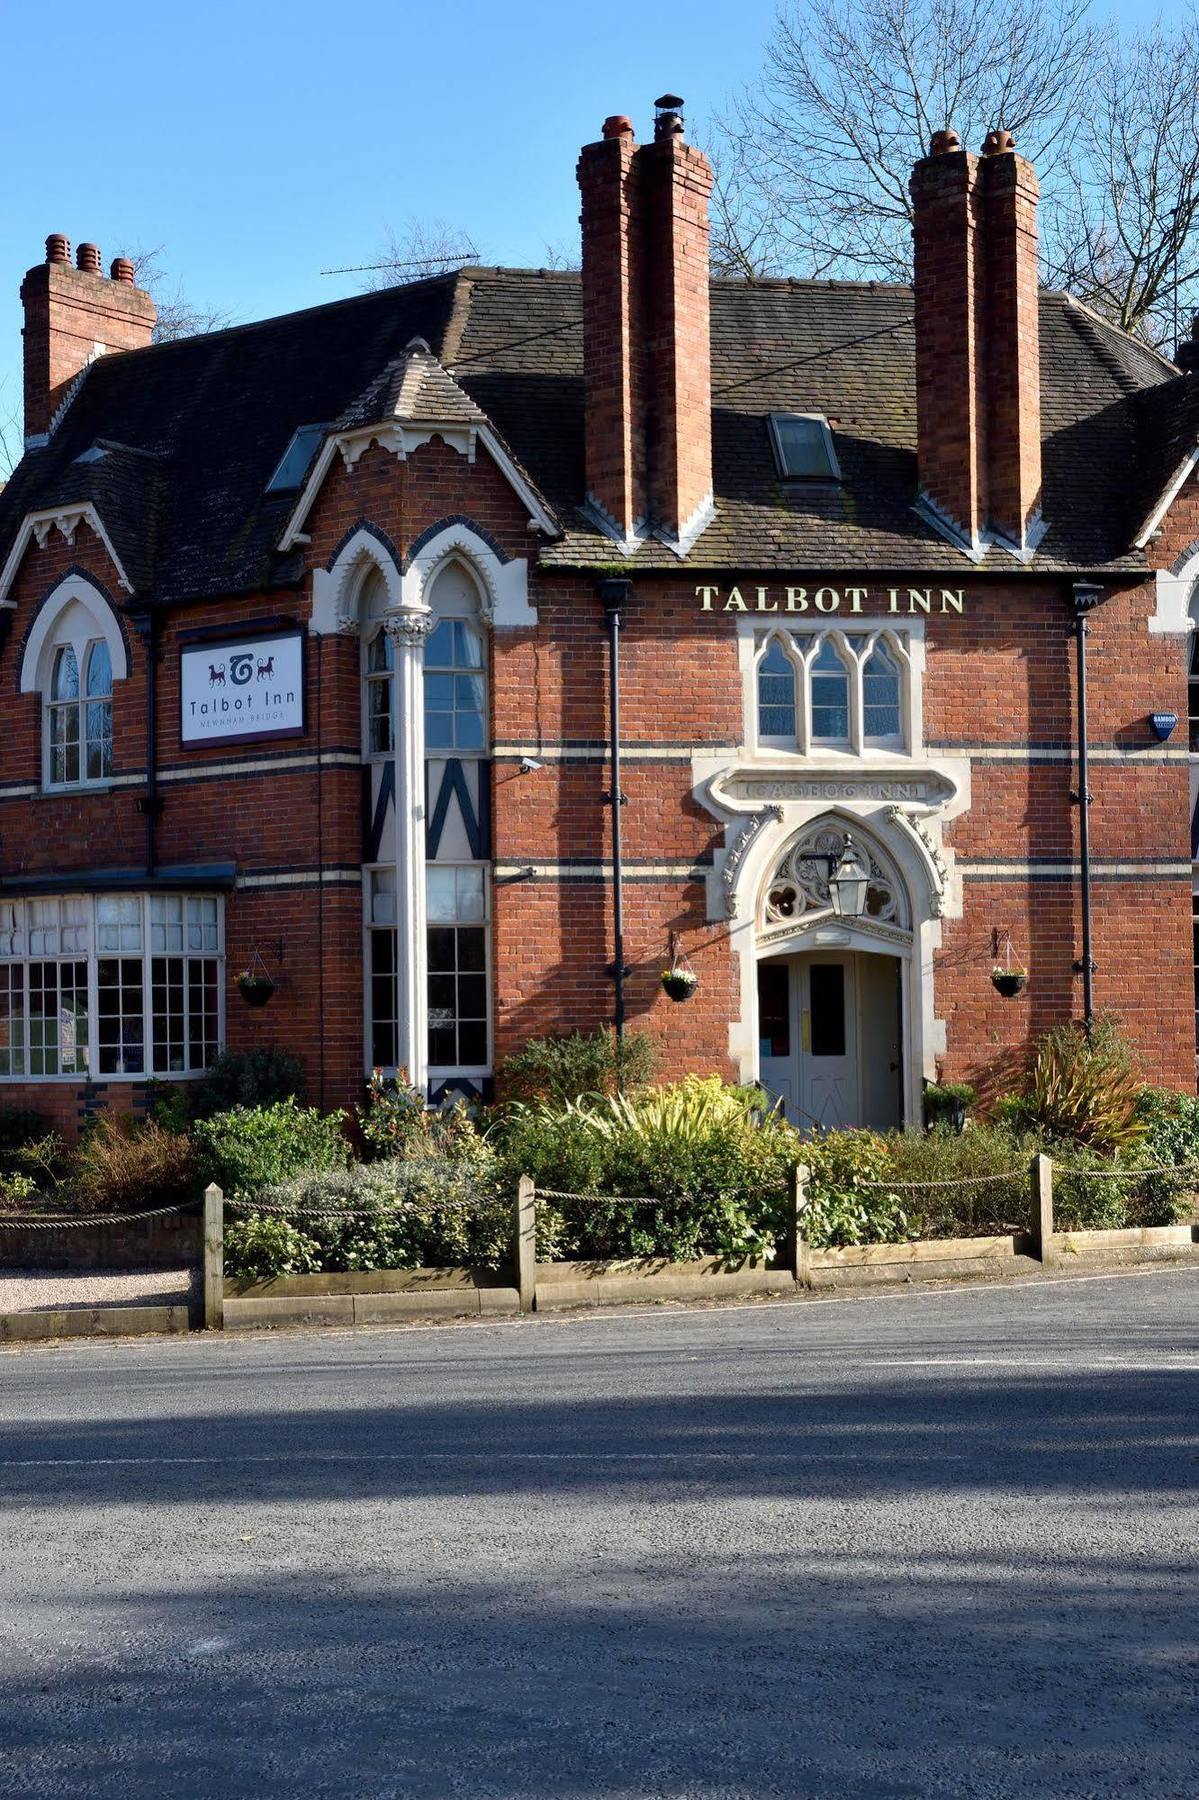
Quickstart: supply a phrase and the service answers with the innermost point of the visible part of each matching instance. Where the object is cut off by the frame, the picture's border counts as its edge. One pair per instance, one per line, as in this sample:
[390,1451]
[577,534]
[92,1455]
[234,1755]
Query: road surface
[936,1543]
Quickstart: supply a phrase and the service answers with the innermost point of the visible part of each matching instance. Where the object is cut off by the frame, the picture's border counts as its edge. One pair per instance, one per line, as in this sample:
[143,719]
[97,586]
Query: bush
[716,1174]
[976,1210]
[398,1121]
[249,1148]
[408,1214]
[249,1078]
[257,1248]
[846,1204]
[123,1165]
[577,1066]
[17,1192]
[1081,1090]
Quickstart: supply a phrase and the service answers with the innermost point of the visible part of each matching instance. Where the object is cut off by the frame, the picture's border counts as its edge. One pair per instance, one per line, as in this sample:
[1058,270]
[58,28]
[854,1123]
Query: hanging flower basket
[255,988]
[1008,982]
[680,984]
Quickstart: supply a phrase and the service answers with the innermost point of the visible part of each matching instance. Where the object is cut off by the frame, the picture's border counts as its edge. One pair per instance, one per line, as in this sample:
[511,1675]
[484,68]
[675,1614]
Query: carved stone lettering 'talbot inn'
[315,630]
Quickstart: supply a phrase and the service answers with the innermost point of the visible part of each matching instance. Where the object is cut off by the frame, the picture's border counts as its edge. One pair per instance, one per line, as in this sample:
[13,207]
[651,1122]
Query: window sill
[46,792]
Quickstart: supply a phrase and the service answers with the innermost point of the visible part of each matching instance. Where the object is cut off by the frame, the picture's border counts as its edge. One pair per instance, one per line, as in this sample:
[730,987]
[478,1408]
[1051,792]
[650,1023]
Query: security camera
[528,764]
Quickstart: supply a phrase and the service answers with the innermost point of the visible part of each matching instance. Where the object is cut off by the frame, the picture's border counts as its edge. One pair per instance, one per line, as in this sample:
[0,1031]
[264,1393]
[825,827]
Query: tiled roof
[204,422]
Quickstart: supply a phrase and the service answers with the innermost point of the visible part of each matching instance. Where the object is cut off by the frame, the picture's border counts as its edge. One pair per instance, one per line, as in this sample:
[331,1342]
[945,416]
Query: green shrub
[257,1248]
[125,1165]
[249,1148]
[167,1105]
[578,1065]
[714,1175]
[398,1121]
[406,1213]
[847,1203]
[249,1078]
[1082,1090]
[977,1209]
[17,1191]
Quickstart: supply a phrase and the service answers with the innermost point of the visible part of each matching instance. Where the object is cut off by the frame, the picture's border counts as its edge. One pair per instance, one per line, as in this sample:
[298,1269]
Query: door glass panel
[828,1008]
[774,1009]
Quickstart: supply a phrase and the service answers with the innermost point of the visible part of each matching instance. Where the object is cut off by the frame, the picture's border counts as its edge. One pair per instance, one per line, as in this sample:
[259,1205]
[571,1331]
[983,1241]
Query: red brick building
[307,649]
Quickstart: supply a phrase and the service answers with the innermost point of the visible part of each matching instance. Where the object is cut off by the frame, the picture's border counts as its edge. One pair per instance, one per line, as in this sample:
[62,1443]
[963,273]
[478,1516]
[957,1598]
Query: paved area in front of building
[937,1543]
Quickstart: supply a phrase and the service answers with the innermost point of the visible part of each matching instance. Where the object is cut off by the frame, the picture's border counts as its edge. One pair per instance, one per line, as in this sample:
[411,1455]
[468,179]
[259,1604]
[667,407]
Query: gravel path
[34,1290]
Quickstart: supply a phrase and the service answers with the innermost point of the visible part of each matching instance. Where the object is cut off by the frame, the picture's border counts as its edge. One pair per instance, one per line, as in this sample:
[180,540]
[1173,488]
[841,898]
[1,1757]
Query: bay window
[110,986]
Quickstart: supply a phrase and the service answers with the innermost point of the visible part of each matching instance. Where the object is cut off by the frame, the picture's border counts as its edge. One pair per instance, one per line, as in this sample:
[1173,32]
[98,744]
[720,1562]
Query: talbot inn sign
[829,599]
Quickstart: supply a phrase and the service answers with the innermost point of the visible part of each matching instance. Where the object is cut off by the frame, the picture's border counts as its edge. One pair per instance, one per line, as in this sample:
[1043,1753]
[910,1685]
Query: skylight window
[296,458]
[803,447]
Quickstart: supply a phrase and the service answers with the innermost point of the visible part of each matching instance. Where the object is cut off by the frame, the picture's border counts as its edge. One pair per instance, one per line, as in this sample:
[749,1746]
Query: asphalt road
[942,1543]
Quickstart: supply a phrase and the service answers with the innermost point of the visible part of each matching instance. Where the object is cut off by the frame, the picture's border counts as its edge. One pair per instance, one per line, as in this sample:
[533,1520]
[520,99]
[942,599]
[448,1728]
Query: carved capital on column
[408,625]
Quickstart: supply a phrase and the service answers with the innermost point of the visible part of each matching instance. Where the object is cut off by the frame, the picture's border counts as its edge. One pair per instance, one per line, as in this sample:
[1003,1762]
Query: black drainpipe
[1085,596]
[145,623]
[614,594]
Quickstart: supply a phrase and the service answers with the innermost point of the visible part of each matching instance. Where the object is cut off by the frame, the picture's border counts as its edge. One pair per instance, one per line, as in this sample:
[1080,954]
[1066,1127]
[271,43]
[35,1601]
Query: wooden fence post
[1042,1209]
[214,1258]
[797,1243]
[526,1243]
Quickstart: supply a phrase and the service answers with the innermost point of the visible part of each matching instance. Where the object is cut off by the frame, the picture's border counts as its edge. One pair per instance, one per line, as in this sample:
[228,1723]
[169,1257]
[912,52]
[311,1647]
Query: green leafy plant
[578,1064]
[404,1213]
[18,1128]
[249,1148]
[17,1191]
[258,1247]
[124,1165]
[688,1169]
[249,1078]
[849,1201]
[168,1105]
[1082,1089]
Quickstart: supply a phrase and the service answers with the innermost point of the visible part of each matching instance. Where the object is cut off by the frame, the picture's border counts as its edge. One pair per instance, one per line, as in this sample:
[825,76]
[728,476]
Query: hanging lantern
[848,882]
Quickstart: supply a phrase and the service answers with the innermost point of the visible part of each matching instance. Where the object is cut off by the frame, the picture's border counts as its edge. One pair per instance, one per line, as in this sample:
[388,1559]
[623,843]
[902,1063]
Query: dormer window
[803,447]
[296,458]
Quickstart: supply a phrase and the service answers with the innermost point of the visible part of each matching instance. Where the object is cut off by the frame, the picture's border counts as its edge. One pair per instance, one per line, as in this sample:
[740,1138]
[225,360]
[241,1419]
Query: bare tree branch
[421,247]
[178,317]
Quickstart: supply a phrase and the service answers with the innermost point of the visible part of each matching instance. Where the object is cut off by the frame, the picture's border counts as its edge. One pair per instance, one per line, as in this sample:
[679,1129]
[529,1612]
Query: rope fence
[75,1221]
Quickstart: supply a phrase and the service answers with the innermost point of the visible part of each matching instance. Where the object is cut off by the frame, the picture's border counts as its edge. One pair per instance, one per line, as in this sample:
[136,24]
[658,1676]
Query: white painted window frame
[801,644]
[146,955]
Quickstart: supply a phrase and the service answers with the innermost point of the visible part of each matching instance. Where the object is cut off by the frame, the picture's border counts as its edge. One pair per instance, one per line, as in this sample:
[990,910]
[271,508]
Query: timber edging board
[93,1321]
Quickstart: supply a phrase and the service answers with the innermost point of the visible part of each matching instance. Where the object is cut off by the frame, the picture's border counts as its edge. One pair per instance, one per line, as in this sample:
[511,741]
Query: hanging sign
[250,687]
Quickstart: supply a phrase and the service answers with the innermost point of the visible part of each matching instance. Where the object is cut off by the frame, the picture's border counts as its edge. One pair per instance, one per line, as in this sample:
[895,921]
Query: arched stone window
[829,686]
[72,656]
[378,670]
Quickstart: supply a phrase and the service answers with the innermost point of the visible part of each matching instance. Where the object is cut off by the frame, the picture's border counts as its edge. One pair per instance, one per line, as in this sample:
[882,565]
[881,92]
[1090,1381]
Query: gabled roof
[203,423]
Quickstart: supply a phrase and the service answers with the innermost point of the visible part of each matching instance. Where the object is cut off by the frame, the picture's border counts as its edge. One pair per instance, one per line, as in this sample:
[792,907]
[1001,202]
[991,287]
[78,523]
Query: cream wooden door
[829,1087]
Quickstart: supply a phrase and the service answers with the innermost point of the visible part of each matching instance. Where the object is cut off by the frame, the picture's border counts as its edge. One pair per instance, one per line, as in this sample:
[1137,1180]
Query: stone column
[408,627]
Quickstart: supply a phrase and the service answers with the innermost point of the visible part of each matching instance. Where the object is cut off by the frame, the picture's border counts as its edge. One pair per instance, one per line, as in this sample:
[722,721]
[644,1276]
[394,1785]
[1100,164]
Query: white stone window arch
[72,657]
[778,685]
[455,669]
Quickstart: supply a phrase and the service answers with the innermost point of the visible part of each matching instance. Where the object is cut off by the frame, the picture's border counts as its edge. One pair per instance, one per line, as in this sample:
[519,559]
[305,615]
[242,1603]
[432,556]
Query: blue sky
[259,143]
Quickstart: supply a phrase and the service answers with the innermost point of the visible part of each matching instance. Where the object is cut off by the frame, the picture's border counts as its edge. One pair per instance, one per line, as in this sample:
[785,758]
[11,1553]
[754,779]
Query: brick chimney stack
[646,338]
[978,384]
[71,316]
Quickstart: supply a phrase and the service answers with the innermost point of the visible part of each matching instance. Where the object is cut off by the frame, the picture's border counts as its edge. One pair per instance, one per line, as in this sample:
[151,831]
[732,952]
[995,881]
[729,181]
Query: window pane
[439,649]
[469,892]
[880,695]
[383,1033]
[99,740]
[12,1019]
[119,922]
[203,1018]
[64,744]
[468,646]
[441,949]
[65,682]
[803,446]
[168,1012]
[830,697]
[828,1009]
[441,892]
[776,694]
[99,671]
[380,656]
[121,1024]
